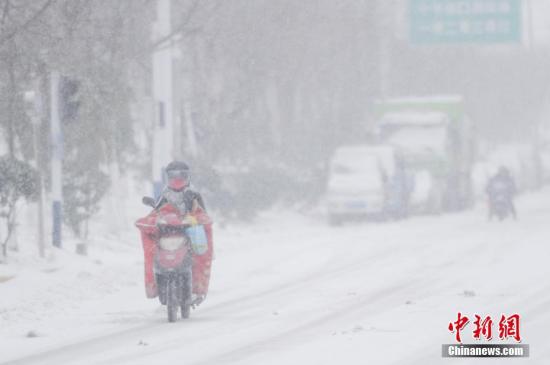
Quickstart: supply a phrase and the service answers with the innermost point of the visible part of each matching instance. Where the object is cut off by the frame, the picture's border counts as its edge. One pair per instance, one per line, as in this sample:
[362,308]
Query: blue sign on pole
[465,21]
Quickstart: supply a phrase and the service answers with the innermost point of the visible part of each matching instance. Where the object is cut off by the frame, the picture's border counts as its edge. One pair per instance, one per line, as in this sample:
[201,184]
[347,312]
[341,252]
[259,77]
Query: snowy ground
[290,289]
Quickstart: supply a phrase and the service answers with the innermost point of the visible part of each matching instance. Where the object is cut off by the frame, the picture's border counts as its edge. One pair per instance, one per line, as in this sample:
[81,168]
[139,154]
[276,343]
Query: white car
[356,185]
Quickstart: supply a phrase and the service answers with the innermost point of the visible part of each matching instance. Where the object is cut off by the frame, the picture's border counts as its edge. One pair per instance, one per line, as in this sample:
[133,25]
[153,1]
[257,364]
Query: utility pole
[163,150]
[56,160]
[37,111]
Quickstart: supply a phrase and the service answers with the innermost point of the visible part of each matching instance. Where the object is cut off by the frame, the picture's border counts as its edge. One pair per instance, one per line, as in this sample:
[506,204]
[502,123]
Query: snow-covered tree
[17,180]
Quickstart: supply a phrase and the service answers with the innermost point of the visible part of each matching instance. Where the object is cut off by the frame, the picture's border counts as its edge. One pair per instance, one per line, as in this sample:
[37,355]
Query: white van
[357,181]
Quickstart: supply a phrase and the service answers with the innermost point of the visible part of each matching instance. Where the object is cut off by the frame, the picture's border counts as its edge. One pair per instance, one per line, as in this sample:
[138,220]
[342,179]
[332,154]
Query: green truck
[435,141]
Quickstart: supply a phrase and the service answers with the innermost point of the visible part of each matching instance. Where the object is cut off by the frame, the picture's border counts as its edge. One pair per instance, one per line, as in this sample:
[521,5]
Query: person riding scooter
[177,191]
[501,188]
[191,206]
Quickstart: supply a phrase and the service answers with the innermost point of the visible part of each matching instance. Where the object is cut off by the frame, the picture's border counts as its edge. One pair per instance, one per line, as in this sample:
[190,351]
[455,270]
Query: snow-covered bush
[17,180]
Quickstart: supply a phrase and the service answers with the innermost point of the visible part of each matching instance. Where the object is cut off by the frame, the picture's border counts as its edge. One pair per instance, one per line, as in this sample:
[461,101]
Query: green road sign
[465,21]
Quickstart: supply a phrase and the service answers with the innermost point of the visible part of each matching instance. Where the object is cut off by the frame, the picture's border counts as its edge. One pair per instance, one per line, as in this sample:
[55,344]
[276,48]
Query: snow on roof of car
[359,154]
[355,151]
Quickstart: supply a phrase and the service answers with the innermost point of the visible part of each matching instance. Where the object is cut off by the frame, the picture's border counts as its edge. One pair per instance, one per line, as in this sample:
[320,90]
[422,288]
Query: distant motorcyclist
[501,186]
[191,205]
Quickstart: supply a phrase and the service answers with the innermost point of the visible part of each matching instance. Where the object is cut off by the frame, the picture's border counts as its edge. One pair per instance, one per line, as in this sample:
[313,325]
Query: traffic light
[69,99]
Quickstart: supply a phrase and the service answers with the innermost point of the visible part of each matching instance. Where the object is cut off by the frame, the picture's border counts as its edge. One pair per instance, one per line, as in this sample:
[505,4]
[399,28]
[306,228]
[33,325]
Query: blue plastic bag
[199,241]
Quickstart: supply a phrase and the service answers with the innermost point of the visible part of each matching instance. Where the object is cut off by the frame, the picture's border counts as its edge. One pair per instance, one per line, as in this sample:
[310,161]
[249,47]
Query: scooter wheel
[172,311]
[185,311]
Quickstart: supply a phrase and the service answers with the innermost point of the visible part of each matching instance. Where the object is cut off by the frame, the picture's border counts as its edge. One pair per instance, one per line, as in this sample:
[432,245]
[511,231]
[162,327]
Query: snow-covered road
[290,289]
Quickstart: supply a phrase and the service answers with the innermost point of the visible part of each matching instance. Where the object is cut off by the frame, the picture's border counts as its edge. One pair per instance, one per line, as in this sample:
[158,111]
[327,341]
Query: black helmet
[178,175]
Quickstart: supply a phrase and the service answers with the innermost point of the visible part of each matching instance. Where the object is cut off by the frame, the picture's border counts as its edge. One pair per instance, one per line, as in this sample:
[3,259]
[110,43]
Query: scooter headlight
[171,243]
